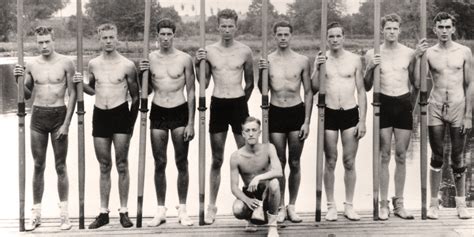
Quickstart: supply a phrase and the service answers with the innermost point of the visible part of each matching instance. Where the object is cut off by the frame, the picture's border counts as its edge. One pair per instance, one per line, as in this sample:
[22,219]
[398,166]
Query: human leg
[436,139]
[159,144]
[330,151]
[279,140]
[350,144]
[402,141]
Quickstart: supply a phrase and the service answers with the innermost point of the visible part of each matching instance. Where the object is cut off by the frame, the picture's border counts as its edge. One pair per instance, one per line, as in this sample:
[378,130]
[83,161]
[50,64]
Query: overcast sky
[238,5]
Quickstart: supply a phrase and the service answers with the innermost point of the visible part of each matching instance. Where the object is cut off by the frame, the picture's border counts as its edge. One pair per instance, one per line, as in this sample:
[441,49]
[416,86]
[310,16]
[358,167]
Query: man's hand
[262,64]
[18,71]
[376,60]
[304,131]
[320,59]
[144,65]
[201,54]
[421,48]
[360,130]
[62,132]
[253,184]
[77,77]
[466,126]
[252,203]
[188,133]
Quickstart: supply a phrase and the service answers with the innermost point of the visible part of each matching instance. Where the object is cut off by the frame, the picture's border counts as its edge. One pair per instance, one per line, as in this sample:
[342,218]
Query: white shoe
[331,215]
[281,215]
[349,212]
[211,214]
[183,217]
[272,225]
[463,213]
[433,211]
[159,218]
[64,215]
[35,219]
[291,214]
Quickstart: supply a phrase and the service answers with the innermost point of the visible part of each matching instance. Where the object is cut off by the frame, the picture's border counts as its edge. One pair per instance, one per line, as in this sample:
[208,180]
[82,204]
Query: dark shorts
[396,111]
[285,119]
[168,118]
[339,119]
[258,194]
[106,123]
[47,119]
[225,112]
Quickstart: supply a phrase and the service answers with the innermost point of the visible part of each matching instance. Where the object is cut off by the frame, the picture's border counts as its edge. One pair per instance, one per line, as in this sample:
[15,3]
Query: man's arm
[71,88]
[90,87]
[248,75]
[468,87]
[134,93]
[369,71]
[308,99]
[315,76]
[361,99]
[190,89]
[201,54]
[275,170]
[29,82]
[234,183]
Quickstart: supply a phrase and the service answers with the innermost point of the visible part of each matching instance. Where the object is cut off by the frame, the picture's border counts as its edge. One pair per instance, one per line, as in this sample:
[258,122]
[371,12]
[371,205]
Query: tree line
[305,15]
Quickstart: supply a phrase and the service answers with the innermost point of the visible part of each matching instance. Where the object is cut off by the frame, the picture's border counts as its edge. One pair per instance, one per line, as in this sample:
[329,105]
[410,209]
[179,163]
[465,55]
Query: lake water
[305,202]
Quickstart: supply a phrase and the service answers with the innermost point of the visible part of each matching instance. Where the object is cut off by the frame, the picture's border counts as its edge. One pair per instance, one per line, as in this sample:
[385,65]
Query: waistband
[50,109]
[297,106]
[176,108]
[342,110]
[116,109]
[227,100]
[395,98]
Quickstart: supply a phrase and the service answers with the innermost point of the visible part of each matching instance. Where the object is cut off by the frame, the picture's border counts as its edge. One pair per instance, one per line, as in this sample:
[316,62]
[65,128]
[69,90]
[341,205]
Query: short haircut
[335,24]
[444,16]
[393,17]
[44,30]
[165,23]
[106,27]
[227,14]
[282,24]
[250,119]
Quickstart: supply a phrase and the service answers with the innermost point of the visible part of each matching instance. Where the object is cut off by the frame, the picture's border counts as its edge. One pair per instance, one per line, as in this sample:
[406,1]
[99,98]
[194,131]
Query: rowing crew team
[111,77]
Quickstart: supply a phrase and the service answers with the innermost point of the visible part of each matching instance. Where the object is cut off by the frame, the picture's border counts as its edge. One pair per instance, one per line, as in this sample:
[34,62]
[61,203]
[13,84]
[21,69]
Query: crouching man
[260,168]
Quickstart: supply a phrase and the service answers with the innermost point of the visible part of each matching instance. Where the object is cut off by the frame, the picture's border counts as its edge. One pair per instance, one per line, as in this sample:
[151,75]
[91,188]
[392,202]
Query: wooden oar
[80,117]
[202,115]
[21,114]
[143,118]
[321,107]
[423,117]
[265,105]
[376,120]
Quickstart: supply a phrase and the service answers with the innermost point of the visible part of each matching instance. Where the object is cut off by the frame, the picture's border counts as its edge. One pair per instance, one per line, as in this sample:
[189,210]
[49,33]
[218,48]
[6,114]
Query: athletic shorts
[438,114]
[108,122]
[285,119]
[340,119]
[168,118]
[47,119]
[258,194]
[225,112]
[396,111]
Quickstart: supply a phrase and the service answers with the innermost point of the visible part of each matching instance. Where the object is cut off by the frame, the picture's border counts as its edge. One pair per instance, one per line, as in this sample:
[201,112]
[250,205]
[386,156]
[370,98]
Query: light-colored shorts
[453,114]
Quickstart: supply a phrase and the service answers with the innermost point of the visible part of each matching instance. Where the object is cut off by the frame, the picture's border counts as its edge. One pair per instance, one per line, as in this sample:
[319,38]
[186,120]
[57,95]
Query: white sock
[123,210]
[104,210]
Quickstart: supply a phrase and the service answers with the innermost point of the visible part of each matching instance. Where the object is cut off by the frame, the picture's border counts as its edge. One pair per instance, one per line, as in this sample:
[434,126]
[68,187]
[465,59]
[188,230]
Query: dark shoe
[125,220]
[399,209]
[101,220]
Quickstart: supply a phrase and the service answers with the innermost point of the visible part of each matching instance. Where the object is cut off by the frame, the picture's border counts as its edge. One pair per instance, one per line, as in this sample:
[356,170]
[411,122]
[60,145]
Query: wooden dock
[227,225]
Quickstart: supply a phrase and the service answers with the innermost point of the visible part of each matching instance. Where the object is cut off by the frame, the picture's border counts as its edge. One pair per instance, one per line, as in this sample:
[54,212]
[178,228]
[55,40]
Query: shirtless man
[227,61]
[289,117]
[397,64]
[170,71]
[50,76]
[343,77]
[449,108]
[111,78]
[259,168]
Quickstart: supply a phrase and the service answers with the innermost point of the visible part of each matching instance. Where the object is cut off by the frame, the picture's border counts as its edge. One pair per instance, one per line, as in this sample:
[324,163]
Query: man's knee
[40,166]
[294,164]
[400,158]
[385,157]
[105,167]
[330,163]
[458,171]
[160,164]
[274,186]
[436,163]
[61,169]
[240,210]
[217,162]
[349,164]
[122,167]
[182,165]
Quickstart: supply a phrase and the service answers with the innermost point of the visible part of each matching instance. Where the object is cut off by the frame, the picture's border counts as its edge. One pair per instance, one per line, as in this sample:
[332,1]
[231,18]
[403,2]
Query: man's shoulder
[461,47]
[370,52]
[184,55]
[301,57]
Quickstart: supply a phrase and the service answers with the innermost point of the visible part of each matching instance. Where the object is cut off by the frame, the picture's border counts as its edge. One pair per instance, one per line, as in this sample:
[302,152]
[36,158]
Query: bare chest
[110,74]
[167,69]
[221,60]
[44,73]
[452,61]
